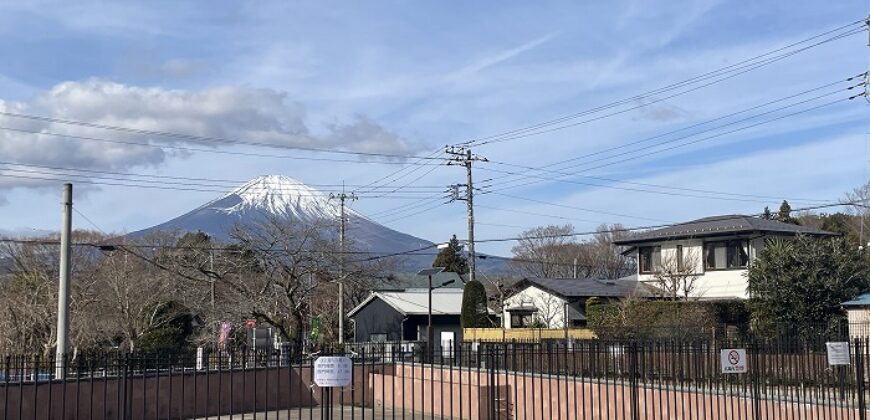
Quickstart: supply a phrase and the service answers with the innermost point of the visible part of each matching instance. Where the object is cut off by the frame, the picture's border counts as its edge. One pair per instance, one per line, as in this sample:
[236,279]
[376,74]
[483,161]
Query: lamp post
[428,272]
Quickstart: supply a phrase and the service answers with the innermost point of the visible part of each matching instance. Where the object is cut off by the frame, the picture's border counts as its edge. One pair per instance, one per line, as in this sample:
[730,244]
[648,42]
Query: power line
[648,191]
[278,192]
[740,67]
[566,206]
[696,125]
[214,151]
[427,209]
[415,251]
[532,213]
[195,138]
[647,153]
[161,181]
[636,228]
[231,182]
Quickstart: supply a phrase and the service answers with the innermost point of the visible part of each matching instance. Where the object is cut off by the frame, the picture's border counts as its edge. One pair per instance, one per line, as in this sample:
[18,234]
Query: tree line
[171,291]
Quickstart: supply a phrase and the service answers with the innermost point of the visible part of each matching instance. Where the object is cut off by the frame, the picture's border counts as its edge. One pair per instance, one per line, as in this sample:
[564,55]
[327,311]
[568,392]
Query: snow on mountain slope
[284,197]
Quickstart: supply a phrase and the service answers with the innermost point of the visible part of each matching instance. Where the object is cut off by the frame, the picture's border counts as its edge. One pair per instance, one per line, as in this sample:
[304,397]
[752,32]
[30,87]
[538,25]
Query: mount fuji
[286,198]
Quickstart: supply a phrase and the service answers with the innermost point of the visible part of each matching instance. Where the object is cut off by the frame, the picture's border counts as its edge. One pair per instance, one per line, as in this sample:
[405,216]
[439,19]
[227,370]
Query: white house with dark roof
[716,251]
[550,302]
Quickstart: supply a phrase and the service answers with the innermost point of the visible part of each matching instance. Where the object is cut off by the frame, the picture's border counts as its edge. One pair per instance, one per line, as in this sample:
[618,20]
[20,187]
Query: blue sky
[410,77]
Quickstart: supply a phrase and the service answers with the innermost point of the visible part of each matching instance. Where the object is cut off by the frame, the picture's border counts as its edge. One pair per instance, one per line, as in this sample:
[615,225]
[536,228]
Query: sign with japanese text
[333,371]
[733,360]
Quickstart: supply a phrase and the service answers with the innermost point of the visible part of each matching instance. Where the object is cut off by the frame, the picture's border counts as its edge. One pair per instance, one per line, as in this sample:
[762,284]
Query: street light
[428,272]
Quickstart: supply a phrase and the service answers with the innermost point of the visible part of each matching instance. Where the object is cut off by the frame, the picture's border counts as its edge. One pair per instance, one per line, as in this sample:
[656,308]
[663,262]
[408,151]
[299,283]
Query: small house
[561,303]
[402,315]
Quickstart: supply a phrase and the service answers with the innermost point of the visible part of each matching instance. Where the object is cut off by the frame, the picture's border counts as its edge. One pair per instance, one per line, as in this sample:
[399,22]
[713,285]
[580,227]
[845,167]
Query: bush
[664,319]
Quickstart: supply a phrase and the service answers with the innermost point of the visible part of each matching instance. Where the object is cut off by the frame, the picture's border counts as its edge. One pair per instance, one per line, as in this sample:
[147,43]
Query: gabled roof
[416,301]
[578,288]
[721,225]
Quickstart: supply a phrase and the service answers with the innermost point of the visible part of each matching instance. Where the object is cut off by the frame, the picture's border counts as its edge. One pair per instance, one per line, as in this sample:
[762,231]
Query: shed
[403,316]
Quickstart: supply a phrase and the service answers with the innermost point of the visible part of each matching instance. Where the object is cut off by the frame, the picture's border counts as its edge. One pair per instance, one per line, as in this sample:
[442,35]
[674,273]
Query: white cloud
[238,113]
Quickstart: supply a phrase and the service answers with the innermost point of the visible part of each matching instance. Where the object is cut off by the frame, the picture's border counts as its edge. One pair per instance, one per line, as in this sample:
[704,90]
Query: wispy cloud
[500,57]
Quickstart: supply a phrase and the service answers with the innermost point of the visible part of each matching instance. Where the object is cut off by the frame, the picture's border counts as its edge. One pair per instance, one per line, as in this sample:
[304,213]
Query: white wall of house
[726,283]
[551,308]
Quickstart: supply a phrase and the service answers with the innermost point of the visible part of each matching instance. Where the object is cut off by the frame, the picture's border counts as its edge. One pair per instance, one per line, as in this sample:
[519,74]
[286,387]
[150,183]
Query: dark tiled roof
[575,288]
[721,225]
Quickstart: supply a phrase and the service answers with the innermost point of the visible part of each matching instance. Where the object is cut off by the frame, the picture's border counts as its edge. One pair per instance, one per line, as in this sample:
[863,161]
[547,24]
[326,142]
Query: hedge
[665,319]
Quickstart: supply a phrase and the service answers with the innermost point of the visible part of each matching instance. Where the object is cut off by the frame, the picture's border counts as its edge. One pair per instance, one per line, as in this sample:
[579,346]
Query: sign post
[733,360]
[330,372]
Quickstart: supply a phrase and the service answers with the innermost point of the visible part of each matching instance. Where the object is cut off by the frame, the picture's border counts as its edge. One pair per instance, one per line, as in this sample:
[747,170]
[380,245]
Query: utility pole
[463,156]
[211,270]
[341,242]
[63,283]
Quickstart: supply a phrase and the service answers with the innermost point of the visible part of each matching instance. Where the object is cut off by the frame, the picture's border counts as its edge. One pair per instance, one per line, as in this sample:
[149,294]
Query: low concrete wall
[185,395]
[466,394]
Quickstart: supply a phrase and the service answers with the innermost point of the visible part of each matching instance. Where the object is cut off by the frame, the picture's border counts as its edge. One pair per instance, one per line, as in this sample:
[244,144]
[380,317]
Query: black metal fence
[785,378]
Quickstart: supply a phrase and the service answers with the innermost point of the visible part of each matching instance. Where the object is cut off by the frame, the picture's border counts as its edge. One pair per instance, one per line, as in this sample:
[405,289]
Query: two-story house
[714,251]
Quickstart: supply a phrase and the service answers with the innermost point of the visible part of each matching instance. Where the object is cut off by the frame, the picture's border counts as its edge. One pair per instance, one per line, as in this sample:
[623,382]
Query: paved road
[316,413]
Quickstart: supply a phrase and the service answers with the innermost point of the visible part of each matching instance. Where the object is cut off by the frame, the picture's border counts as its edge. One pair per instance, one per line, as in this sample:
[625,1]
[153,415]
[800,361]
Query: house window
[378,337]
[522,319]
[724,255]
[649,258]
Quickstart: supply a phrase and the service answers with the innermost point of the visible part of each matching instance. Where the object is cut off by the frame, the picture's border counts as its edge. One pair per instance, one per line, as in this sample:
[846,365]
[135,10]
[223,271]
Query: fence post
[490,371]
[753,365]
[859,365]
[634,380]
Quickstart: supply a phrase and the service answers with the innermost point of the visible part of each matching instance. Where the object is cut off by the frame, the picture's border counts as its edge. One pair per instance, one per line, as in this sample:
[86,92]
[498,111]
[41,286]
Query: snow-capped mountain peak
[282,195]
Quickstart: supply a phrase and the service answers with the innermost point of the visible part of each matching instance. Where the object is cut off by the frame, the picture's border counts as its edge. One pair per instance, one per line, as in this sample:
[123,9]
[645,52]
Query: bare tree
[136,295]
[859,201]
[552,252]
[549,309]
[606,259]
[676,276]
[28,296]
[546,251]
[293,275]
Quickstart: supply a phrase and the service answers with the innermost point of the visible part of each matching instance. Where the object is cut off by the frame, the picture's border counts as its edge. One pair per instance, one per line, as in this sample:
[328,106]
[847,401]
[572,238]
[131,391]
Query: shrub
[664,319]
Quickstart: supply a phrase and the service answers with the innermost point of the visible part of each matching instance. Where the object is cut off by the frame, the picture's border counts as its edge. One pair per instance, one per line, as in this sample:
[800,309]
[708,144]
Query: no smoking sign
[733,360]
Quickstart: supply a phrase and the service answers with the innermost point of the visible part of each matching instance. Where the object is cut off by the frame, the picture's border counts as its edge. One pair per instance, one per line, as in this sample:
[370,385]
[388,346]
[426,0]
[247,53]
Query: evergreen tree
[766,214]
[799,284]
[784,214]
[474,313]
[451,258]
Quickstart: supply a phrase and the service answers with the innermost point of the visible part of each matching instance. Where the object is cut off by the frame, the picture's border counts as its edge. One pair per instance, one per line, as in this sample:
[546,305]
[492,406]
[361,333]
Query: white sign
[838,353]
[199,357]
[733,360]
[333,371]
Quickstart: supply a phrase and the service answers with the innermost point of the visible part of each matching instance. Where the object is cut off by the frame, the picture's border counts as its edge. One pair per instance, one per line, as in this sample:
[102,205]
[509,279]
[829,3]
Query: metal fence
[785,378]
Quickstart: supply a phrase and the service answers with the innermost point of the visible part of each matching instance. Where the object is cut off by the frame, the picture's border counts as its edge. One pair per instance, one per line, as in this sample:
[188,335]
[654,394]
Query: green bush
[664,319]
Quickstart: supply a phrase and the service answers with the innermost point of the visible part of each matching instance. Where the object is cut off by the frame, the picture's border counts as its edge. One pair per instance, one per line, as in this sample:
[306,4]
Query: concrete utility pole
[63,283]
[341,241]
[463,156]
